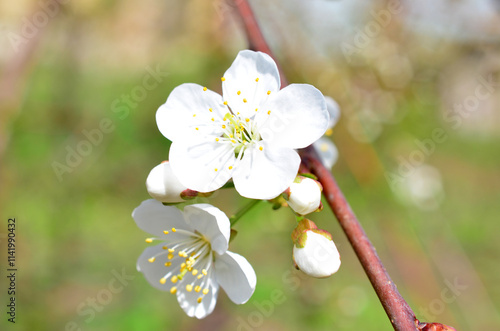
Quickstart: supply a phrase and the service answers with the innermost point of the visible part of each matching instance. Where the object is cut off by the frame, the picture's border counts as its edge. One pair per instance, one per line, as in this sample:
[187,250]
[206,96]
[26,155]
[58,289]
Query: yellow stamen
[165,232]
[163,281]
[261,148]
[256,109]
[225,103]
[268,92]
[239,92]
[216,169]
[199,276]
[268,112]
[216,139]
[204,271]
[197,288]
[174,279]
[230,167]
[194,115]
[165,247]
[168,264]
[244,100]
[151,259]
[210,109]
[205,291]
[195,272]
[222,79]
[329,132]
[247,120]
[173,290]
[170,256]
[171,250]
[213,120]
[189,287]
[149,240]
[199,300]
[173,230]
[197,129]
[204,89]
[223,126]
[257,79]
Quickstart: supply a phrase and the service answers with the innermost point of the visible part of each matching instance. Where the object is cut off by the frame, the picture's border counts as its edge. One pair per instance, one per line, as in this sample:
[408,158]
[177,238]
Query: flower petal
[236,276]
[295,117]
[153,217]
[188,300]
[201,166]
[210,222]
[253,75]
[333,110]
[187,112]
[154,271]
[319,257]
[265,174]
[163,185]
[327,151]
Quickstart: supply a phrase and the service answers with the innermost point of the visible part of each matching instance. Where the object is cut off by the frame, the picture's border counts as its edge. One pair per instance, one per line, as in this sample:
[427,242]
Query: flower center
[188,263]
[240,132]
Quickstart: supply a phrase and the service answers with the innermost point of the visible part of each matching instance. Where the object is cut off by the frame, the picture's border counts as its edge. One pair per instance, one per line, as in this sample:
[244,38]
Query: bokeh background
[399,71]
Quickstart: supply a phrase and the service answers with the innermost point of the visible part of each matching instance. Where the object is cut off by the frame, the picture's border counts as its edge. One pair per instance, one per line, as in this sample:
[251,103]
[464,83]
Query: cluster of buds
[314,251]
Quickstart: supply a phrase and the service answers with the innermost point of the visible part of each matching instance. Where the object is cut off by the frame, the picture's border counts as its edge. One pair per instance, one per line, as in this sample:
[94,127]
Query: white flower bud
[163,186]
[304,195]
[317,255]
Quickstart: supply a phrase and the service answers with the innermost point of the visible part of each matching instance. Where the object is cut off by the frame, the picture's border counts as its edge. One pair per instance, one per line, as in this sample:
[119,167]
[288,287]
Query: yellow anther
[239,92]
[204,271]
[213,120]
[174,279]
[324,147]
[199,276]
[256,109]
[171,250]
[268,112]
[173,230]
[199,300]
[197,129]
[151,259]
[261,148]
[225,103]
[244,100]
[231,136]
[183,265]
[329,132]
[195,272]
[268,92]
[216,139]
[189,287]
[165,247]
[230,167]
[194,115]
[257,79]
[170,256]
[205,291]
[197,288]
[149,240]
[165,232]
[210,109]
[216,169]
[168,264]
[222,79]
[173,290]
[247,120]
[163,281]
[182,254]
[204,89]
[223,126]
[233,141]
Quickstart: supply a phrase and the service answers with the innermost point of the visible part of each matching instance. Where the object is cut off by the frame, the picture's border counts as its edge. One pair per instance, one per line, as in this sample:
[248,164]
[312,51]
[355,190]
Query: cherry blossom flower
[192,261]
[304,195]
[249,134]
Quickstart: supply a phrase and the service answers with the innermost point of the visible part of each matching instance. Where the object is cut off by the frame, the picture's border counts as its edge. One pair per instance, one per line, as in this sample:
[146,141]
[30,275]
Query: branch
[399,312]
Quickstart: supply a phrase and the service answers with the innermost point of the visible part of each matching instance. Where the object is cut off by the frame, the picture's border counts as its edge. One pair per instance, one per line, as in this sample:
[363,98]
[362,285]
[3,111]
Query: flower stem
[235,218]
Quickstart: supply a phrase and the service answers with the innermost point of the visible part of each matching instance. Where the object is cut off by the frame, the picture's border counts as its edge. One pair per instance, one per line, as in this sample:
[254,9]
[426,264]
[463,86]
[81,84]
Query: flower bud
[163,186]
[314,251]
[304,195]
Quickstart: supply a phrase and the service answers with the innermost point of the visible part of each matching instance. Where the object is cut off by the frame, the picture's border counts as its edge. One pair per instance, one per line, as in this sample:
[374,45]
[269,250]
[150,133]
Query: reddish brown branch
[397,309]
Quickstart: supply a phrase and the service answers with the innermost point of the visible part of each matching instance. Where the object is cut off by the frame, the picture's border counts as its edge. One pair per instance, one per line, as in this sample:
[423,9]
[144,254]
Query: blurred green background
[430,206]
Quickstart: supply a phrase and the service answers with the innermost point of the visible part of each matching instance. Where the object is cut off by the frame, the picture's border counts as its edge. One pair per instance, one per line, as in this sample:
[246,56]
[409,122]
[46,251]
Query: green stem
[235,218]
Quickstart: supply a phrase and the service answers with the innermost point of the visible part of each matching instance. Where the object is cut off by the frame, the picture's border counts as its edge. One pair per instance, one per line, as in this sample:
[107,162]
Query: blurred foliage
[75,233]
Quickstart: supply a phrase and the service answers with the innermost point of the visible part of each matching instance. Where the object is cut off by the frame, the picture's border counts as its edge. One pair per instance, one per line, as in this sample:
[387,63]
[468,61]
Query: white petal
[153,217]
[327,151]
[188,300]
[186,109]
[319,257]
[305,197]
[333,110]
[210,222]
[154,271]
[202,166]
[295,117]
[236,276]
[163,185]
[242,76]
[265,174]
